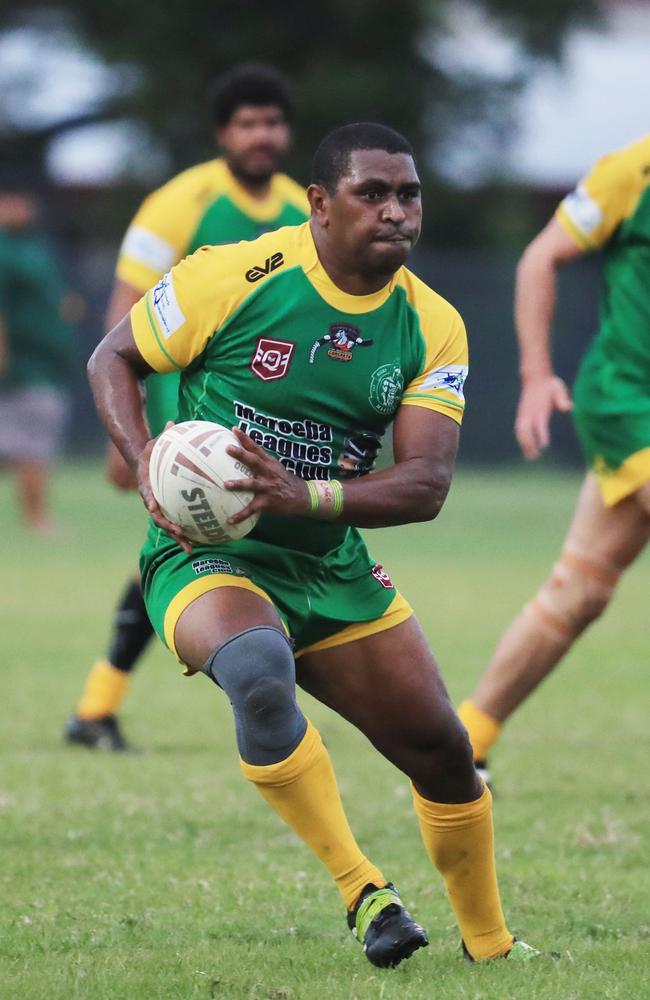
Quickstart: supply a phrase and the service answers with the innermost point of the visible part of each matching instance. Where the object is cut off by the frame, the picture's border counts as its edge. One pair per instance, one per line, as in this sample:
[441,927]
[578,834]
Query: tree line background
[348,60]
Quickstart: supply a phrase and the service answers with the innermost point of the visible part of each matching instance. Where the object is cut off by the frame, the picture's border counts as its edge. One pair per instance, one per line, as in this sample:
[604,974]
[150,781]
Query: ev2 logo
[271,263]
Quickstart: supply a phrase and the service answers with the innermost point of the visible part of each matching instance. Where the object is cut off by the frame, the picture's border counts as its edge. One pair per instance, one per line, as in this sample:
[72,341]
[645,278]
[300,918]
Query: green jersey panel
[313,375]
[610,210]
[341,381]
[225,222]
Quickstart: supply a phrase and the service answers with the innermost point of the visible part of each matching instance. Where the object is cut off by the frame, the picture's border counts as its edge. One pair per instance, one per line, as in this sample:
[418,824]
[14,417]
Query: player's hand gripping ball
[188,467]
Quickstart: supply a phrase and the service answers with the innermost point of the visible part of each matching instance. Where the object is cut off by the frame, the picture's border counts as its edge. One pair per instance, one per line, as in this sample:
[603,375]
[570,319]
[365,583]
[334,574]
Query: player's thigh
[387,684]
[613,536]
[214,617]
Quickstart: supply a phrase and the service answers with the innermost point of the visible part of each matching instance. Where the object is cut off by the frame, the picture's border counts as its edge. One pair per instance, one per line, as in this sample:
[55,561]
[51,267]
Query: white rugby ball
[187,467]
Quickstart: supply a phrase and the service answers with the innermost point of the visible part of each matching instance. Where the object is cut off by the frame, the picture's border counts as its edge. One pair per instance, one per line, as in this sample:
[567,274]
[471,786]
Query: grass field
[165,875]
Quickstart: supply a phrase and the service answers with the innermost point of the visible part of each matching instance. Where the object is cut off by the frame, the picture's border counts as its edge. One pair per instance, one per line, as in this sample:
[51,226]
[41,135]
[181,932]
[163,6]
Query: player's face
[374,218]
[254,141]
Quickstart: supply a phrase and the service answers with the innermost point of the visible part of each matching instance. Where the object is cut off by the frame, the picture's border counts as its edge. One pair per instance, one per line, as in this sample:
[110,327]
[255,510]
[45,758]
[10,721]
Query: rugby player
[299,598]
[609,211]
[236,197]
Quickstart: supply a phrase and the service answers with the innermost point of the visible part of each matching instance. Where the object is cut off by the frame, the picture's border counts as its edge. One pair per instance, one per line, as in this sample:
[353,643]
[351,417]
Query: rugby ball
[187,468]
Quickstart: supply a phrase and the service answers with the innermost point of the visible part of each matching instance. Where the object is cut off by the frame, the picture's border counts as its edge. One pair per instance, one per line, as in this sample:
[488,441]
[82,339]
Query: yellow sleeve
[158,236]
[173,322]
[439,385]
[603,199]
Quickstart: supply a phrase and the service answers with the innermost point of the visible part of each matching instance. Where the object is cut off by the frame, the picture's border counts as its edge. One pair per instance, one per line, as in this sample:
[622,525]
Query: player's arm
[123,297]
[115,371]
[153,243]
[542,391]
[425,443]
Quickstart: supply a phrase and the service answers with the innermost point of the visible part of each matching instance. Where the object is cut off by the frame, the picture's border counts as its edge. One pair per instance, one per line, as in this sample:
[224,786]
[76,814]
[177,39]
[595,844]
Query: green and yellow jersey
[314,375]
[610,210]
[202,205]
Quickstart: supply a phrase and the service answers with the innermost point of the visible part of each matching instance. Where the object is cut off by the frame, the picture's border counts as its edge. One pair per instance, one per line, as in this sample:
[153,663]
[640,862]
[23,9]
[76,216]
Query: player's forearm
[116,389]
[410,491]
[535,295]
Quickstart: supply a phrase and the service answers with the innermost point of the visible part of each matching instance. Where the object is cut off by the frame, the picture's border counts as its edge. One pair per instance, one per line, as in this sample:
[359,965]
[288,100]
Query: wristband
[314,499]
[325,499]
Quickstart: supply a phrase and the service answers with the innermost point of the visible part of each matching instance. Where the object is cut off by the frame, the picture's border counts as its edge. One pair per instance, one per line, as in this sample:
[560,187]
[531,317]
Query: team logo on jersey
[272,358]
[451,377]
[271,263]
[386,387]
[167,311]
[382,577]
[342,340]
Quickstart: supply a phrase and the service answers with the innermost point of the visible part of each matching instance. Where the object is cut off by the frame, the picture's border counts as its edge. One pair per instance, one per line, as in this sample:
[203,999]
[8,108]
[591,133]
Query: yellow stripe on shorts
[197,588]
[627,479]
[398,611]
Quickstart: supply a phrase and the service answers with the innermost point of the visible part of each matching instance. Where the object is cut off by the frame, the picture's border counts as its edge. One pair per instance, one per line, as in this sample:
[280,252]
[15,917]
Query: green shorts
[322,601]
[612,418]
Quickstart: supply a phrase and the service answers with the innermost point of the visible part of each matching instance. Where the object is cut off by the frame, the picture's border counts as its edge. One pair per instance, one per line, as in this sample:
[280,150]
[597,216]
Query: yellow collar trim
[331,293]
[260,209]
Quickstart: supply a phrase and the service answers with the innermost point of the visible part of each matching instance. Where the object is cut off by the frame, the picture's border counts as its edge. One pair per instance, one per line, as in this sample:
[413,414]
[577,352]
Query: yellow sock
[303,791]
[104,691]
[460,841]
[483,730]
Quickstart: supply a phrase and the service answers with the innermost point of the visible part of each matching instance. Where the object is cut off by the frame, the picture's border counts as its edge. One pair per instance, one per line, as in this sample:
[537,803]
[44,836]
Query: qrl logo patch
[272,358]
[382,577]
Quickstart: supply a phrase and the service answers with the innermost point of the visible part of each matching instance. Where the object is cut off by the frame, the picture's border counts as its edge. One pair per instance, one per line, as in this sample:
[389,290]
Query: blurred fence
[478,282]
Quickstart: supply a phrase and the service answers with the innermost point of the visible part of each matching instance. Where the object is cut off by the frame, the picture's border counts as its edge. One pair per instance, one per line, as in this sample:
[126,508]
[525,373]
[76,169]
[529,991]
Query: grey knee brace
[256,670]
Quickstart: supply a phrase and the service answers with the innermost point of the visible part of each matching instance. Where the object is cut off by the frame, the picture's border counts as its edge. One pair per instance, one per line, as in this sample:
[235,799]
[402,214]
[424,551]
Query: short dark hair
[249,83]
[332,158]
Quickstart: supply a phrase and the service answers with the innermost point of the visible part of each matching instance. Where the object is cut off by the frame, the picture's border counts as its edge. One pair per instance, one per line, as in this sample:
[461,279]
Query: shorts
[617,448]
[322,601]
[611,411]
[32,423]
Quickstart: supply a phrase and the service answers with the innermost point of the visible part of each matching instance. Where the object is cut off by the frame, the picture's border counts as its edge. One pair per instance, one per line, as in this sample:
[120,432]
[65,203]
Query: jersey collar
[331,293]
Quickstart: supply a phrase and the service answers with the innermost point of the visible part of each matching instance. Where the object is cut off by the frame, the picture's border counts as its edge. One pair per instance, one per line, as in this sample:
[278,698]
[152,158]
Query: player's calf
[441,765]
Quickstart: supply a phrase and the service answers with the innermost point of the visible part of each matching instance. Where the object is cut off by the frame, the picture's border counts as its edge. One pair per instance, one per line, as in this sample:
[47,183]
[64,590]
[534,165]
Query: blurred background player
[609,210]
[36,356]
[238,196]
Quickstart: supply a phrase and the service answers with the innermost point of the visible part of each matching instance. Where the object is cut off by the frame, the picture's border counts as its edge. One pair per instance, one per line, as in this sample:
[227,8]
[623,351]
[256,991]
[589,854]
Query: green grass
[166,876]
